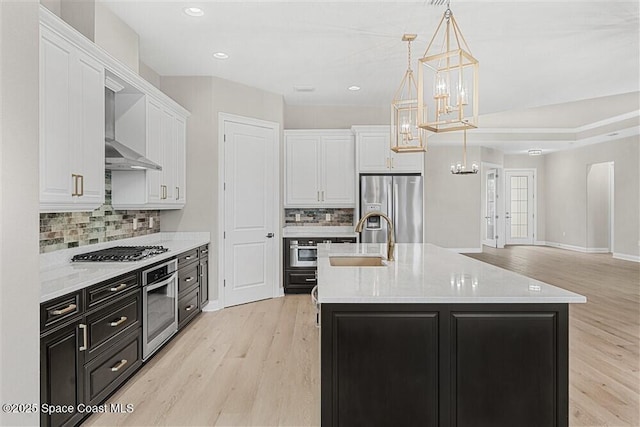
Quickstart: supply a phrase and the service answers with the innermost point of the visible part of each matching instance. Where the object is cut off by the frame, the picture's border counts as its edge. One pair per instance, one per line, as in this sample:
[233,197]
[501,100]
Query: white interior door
[250,212]
[519,207]
[490,234]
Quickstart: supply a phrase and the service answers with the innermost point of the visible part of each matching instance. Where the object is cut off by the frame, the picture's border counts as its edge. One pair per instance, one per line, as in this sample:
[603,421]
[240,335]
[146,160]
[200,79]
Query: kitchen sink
[357,261]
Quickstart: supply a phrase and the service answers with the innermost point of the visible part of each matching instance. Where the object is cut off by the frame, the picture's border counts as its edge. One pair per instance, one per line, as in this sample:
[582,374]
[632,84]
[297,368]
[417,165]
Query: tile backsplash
[317,216]
[65,230]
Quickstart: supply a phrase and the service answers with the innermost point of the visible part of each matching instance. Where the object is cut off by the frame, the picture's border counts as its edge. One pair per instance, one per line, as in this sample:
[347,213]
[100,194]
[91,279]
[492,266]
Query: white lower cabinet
[166,146]
[320,168]
[375,155]
[71,127]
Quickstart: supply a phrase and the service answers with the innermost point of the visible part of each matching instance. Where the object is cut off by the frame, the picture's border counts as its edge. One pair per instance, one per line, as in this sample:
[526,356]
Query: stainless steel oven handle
[172,262]
[165,282]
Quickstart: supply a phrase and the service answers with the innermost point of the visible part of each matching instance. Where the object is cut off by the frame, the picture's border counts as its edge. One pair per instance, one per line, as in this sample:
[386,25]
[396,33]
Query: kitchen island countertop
[425,273]
[59,276]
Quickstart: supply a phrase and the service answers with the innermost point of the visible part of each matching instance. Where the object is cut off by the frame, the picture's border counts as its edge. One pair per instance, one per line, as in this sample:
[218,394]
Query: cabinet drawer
[105,373]
[188,307]
[107,322]
[204,251]
[307,277]
[187,277]
[54,312]
[187,257]
[104,291]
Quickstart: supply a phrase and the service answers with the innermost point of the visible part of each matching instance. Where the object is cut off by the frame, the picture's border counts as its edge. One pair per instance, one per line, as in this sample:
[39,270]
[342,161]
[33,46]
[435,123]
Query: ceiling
[532,53]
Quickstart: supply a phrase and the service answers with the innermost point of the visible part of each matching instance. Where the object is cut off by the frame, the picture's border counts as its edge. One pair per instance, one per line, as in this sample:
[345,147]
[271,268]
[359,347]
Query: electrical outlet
[135,223]
[327,217]
[151,222]
[297,217]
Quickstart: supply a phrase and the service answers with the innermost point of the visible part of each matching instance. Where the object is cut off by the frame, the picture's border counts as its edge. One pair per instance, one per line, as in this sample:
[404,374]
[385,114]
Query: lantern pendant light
[461,168]
[406,136]
[448,80]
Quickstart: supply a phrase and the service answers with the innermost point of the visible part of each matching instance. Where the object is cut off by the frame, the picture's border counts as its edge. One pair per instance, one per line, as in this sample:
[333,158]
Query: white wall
[19,220]
[598,185]
[116,37]
[452,203]
[333,117]
[566,194]
[205,97]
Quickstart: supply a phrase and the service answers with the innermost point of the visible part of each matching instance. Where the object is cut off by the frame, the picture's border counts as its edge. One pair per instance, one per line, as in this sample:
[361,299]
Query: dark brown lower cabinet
[61,374]
[463,365]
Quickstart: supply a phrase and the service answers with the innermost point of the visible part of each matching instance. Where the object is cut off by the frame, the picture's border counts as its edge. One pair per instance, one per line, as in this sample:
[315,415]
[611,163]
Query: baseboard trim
[625,257]
[598,250]
[466,250]
[213,305]
[567,247]
[280,293]
[540,243]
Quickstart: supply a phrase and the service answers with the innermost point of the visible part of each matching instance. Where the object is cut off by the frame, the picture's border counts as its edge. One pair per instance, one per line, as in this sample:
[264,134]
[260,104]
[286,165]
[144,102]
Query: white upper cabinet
[375,155]
[164,137]
[71,127]
[320,168]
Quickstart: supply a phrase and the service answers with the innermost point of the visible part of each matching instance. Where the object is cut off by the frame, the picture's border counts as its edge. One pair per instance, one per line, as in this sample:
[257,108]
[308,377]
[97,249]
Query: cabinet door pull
[119,321]
[318,196]
[188,257]
[177,193]
[188,279]
[322,196]
[120,364]
[83,347]
[392,167]
[65,310]
[118,288]
[81,177]
[190,307]
[74,192]
[309,280]
[204,251]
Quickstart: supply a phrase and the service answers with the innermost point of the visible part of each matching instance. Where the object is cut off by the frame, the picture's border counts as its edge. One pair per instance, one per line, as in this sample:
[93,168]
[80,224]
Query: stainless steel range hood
[117,155]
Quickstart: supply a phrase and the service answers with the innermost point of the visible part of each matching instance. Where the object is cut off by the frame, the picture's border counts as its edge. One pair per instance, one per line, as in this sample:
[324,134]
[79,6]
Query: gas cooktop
[120,254]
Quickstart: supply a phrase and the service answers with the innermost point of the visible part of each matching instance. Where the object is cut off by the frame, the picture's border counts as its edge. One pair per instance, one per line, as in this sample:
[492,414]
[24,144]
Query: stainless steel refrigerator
[400,198]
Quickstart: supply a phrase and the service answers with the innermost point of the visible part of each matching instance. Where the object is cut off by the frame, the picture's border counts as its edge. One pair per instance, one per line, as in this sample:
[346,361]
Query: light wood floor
[257,364]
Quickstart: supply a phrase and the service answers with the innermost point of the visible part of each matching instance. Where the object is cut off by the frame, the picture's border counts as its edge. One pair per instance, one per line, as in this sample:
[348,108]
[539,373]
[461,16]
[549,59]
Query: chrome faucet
[391,239]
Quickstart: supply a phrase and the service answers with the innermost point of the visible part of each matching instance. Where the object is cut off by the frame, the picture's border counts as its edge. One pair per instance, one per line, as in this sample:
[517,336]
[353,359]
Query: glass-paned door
[519,207]
[490,237]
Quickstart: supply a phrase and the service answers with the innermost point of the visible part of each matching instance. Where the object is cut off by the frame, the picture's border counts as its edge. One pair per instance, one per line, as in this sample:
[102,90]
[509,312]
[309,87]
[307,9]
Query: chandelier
[406,136]
[461,168]
[447,80]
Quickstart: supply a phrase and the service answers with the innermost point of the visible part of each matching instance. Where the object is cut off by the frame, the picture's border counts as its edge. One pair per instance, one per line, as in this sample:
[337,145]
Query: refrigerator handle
[390,204]
[395,206]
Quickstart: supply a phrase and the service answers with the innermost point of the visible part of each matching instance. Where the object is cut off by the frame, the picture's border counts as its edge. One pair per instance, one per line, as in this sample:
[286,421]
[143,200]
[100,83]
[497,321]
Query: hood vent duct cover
[117,155]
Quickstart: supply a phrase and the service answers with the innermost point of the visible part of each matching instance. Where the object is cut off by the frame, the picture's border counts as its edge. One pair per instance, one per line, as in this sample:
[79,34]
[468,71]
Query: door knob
[270,235]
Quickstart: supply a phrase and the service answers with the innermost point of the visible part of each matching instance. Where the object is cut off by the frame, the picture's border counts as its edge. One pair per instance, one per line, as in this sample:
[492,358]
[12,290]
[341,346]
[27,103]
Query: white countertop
[59,276]
[318,232]
[425,273]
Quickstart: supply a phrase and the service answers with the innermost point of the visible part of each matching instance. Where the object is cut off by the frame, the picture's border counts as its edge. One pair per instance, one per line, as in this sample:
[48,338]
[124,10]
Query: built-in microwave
[303,253]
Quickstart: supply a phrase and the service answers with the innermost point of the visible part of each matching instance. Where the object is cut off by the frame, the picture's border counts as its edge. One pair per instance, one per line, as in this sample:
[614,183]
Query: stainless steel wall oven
[159,305]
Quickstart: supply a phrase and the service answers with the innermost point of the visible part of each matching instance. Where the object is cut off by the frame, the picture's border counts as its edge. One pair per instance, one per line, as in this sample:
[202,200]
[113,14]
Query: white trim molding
[567,247]
[625,257]
[212,306]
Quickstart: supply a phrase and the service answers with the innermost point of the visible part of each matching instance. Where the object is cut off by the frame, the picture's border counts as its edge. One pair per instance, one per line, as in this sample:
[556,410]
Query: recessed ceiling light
[193,11]
[354,88]
[535,152]
[220,55]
